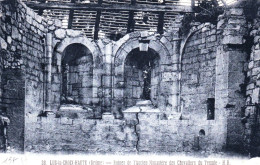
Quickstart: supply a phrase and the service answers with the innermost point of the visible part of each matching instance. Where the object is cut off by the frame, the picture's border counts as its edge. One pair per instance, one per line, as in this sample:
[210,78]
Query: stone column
[107,79]
[230,60]
[176,68]
[48,70]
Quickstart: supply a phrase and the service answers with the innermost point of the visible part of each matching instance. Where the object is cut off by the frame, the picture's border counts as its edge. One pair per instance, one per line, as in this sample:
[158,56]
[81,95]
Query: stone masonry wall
[168,64]
[136,133]
[251,114]
[79,135]
[77,80]
[65,135]
[155,81]
[198,71]
[133,85]
[213,60]
[13,79]
[134,81]
[23,45]
[230,75]
[61,40]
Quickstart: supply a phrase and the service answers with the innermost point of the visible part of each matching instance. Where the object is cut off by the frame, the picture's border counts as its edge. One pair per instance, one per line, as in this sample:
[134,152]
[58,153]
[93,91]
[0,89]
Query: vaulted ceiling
[107,18]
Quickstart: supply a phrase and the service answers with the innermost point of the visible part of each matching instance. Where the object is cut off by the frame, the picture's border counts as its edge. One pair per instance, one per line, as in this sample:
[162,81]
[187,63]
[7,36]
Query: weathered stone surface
[3,44]
[15,33]
[212,66]
[237,11]
[60,33]
[73,33]
[257,55]
[38,18]
[57,23]
[9,40]
[233,40]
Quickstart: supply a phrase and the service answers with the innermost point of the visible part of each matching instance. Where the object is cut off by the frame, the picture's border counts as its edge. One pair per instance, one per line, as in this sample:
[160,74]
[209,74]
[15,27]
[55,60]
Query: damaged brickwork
[64,92]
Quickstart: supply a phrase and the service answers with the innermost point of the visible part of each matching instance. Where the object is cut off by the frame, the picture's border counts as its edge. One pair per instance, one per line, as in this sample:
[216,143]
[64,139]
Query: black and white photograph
[130,82]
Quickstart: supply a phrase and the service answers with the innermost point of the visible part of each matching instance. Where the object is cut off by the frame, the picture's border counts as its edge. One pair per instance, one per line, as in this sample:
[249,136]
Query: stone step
[143,103]
[73,111]
[73,107]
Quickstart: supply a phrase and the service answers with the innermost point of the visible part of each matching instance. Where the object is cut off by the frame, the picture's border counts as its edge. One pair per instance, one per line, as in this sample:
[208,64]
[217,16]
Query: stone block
[66,121]
[255,95]
[205,29]
[58,23]
[52,27]
[9,40]
[3,44]
[29,19]
[250,65]
[236,11]
[255,71]
[257,55]
[107,116]
[236,40]
[73,33]
[15,33]
[164,40]
[60,33]
[144,34]
[237,21]
[169,76]
[38,18]
[221,23]
[250,86]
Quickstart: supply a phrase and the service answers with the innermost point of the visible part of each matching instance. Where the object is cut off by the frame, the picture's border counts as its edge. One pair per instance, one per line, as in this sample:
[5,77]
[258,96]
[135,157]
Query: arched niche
[97,65]
[76,75]
[124,48]
[141,77]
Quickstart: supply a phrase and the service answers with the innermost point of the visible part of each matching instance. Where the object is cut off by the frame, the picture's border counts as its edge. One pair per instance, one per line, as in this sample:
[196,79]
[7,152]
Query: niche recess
[141,77]
[77,75]
[210,108]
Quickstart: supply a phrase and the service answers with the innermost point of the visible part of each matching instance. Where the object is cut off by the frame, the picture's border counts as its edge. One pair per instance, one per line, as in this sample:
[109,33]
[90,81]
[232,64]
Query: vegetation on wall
[205,11]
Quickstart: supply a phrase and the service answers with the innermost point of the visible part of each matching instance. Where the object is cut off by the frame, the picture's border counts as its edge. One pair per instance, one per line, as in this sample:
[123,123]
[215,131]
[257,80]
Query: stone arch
[77,75]
[90,44]
[196,55]
[97,66]
[130,42]
[182,48]
[123,47]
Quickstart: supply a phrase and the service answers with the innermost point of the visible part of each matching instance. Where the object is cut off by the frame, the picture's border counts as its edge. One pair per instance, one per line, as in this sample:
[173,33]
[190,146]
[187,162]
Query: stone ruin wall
[23,56]
[231,75]
[198,75]
[213,65]
[251,113]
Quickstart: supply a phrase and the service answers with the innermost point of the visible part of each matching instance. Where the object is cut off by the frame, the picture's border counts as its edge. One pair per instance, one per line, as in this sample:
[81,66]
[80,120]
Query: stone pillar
[48,71]
[107,79]
[176,83]
[230,60]
[173,68]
